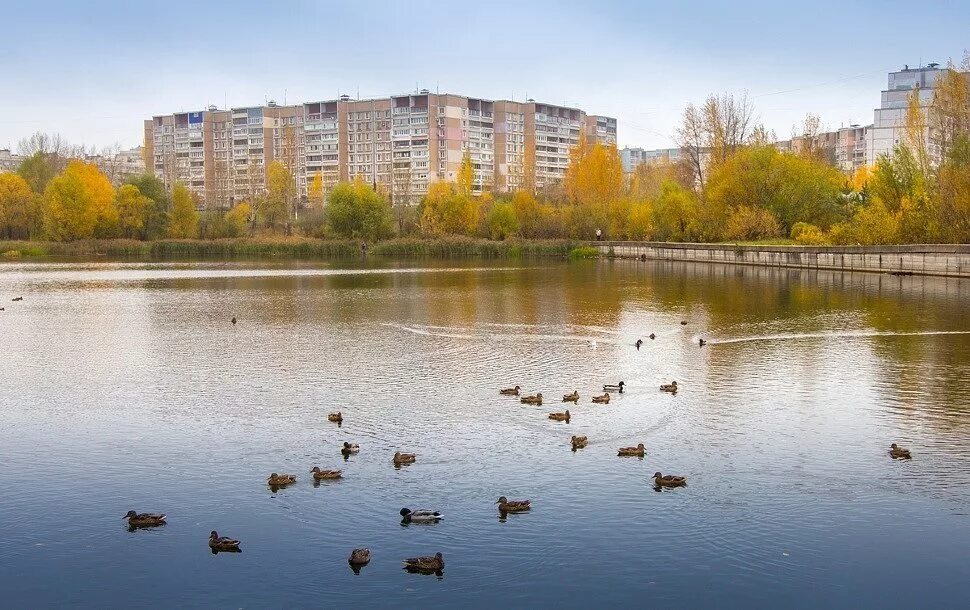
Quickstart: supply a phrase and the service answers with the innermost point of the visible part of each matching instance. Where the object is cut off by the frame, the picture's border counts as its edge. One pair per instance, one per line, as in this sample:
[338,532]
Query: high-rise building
[400,144]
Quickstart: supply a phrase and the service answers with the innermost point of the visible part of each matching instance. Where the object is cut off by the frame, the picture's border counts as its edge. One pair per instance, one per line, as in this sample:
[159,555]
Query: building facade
[400,144]
[9,162]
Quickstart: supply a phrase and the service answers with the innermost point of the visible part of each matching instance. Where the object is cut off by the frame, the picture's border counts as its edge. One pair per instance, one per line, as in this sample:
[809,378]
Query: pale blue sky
[94,70]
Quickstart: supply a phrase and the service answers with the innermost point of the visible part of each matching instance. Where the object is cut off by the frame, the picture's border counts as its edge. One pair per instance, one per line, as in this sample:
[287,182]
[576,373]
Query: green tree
[674,211]
[280,194]
[355,210]
[133,208]
[39,169]
[19,210]
[466,176]
[156,216]
[502,222]
[184,218]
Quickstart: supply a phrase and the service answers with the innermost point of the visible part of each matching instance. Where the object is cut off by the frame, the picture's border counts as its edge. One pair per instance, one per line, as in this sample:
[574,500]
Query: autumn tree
[184,218]
[79,204]
[465,180]
[448,211]
[39,169]
[674,212]
[502,222]
[355,210]
[916,131]
[280,194]
[315,192]
[133,208]
[709,135]
[954,192]
[19,210]
[951,105]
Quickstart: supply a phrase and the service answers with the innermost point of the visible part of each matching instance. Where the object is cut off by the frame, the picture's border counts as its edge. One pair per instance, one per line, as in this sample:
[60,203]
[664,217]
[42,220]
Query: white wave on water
[852,334]
[458,333]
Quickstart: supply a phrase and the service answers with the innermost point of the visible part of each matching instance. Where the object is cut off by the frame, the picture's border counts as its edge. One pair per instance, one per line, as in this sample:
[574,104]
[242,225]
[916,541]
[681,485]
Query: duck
[337,417]
[701,342]
[579,442]
[652,336]
[233,320]
[222,543]
[574,397]
[144,519]
[637,451]
[510,391]
[18,299]
[560,416]
[280,480]
[898,452]
[669,387]
[325,475]
[404,458]
[669,480]
[359,557]
[513,506]
[421,515]
[604,399]
[683,322]
[532,400]
[425,564]
[638,344]
[350,449]
[614,388]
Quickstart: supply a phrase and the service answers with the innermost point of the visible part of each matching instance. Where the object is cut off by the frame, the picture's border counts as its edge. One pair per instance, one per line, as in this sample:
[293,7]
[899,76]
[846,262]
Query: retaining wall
[942,260]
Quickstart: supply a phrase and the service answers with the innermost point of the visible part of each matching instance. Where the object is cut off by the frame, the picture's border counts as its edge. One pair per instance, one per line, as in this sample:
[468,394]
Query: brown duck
[532,400]
[637,451]
[898,452]
[560,416]
[574,397]
[325,475]
[337,418]
[669,480]
[579,442]
[603,400]
[222,543]
[144,519]
[669,387]
[359,557]
[510,391]
[513,506]
[425,564]
[280,480]
[404,458]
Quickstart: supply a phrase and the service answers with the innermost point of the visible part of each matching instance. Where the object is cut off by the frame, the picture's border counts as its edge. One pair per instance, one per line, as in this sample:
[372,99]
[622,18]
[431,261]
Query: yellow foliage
[132,209]
[184,219]
[466,176]
[448,211]
[19,215]
[237,218]
[748,224]
[639,224]
[594,176]
[78,204]
[315,192]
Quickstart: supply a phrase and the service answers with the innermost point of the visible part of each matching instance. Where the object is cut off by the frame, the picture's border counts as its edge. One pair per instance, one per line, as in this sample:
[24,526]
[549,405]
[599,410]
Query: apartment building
[632,157]
[9,162]
[400,144]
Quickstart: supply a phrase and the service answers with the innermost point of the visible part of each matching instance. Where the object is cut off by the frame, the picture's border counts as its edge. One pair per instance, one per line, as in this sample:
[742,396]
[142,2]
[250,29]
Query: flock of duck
[435,564]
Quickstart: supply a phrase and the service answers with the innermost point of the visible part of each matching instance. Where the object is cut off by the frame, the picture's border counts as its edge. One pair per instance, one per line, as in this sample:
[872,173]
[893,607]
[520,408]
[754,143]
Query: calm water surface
[124,386]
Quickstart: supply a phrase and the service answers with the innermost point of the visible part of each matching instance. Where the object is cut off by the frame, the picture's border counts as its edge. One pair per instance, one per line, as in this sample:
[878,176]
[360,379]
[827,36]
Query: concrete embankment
[942,260]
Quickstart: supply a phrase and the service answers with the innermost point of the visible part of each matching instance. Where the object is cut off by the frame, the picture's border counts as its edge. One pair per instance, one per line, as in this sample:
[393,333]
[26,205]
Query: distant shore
[296,248]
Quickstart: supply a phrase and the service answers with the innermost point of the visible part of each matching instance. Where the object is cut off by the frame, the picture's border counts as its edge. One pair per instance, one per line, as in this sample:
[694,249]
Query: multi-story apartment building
[889,124]
[632,157]
[400,144]
[9,162]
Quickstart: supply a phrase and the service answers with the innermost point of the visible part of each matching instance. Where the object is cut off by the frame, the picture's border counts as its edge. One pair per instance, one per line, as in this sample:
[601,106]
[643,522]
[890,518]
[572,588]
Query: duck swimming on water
[614,388]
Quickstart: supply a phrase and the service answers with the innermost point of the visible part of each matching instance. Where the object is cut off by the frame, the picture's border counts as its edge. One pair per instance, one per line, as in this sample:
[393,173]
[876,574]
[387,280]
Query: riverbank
[948,260]
[287,247]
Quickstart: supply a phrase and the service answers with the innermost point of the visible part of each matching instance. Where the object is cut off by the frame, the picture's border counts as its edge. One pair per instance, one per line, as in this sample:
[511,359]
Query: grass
[287,247]
[584,252]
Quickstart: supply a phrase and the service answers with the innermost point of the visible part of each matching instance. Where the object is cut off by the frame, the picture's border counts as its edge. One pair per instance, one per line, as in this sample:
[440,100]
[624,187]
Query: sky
[93,71]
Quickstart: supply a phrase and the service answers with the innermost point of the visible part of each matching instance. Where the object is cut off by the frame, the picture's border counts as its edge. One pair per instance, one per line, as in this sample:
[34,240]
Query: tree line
[731,183]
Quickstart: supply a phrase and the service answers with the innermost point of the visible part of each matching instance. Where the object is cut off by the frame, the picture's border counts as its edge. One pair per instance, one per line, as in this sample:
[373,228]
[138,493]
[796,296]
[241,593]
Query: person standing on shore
[599,235]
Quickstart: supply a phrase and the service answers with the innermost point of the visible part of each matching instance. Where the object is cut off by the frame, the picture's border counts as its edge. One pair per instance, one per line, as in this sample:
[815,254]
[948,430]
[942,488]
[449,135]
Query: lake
[125,386]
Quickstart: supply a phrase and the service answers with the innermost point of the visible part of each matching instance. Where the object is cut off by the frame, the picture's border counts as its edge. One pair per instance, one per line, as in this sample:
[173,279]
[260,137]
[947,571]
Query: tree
[951,105]
[357,211]
[79,204]
[502,222]
[954,192]
[466,176]
[792,187]
[748,224]
[711,134]
[133,208]
[280,194]
[916,132]
[235,220]
[19,213]
[156,216]
[315,192]
[38,170]
[674,211]
[448,211]
[184,218]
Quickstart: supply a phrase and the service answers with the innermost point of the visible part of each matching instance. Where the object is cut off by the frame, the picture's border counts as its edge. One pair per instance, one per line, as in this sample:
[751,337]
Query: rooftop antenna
[358,92]
[284,96]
